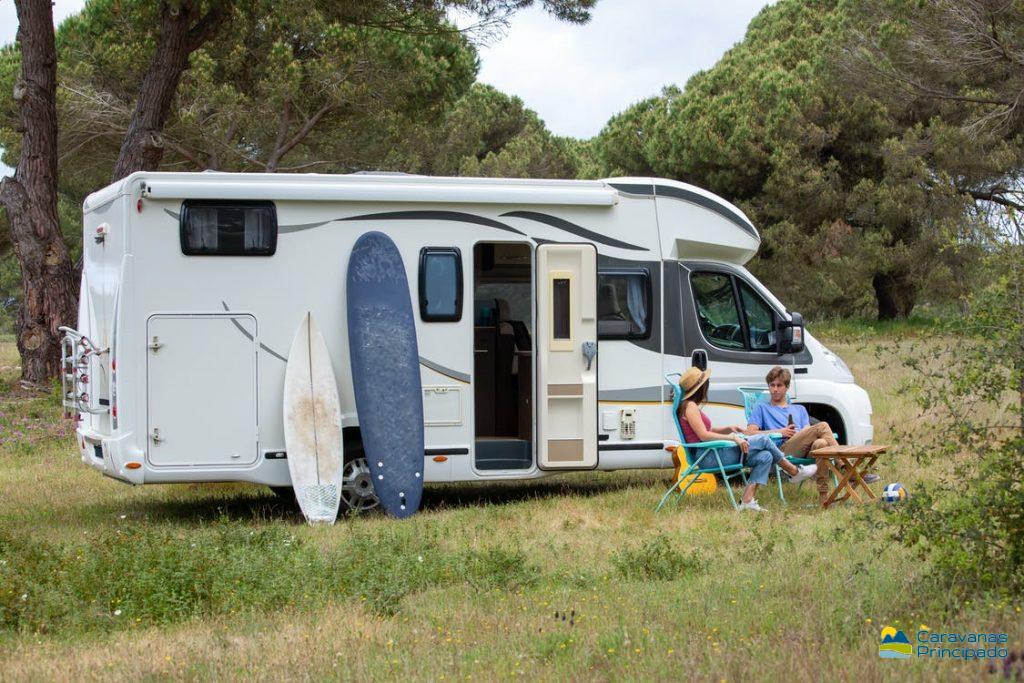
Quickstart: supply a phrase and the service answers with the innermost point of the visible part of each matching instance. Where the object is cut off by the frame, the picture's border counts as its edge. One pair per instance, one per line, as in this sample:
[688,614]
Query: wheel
[357,485]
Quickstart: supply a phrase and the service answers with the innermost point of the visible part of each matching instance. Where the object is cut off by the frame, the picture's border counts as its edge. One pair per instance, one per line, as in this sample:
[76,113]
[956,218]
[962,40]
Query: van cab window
[624,304]
[716,310]
[440,284]
[760,319]
[228,228]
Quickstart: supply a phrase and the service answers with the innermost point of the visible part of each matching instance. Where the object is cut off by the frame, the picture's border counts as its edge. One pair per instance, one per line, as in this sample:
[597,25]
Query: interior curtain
[204,227]
[635,300]
[256,229]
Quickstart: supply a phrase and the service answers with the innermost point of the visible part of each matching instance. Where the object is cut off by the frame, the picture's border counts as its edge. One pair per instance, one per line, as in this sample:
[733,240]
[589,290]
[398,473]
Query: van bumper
[111,456]
[121,459]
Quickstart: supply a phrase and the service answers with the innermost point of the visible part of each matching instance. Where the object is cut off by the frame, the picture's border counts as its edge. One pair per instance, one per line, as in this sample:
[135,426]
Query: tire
[356,488]
[357,493]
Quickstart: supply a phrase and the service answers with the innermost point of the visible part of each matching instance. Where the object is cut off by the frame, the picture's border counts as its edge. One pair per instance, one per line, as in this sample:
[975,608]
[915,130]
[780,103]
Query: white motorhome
[194,283]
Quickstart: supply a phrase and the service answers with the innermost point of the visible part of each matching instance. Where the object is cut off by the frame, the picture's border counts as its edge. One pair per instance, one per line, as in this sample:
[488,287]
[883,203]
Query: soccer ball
[894,493]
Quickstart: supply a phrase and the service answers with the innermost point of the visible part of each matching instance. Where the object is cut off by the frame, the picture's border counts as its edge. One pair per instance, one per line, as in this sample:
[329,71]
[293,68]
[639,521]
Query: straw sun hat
[692,380]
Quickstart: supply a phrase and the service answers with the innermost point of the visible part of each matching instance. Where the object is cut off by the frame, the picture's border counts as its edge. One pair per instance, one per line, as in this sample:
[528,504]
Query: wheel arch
[822,412]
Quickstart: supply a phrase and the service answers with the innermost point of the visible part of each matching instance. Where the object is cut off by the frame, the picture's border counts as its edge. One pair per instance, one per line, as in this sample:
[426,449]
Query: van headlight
[838,364]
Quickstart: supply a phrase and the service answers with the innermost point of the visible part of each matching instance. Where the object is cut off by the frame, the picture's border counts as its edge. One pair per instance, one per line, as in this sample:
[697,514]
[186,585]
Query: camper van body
[177,365]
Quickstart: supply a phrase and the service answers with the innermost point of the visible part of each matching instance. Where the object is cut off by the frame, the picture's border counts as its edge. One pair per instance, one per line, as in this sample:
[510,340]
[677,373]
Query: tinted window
[440,284]
[760,319]
[716,310]
[222,228]
[560,308]
[624,304]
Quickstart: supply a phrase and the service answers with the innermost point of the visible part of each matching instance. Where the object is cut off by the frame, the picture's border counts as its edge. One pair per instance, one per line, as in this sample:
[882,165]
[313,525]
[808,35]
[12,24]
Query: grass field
[573,577]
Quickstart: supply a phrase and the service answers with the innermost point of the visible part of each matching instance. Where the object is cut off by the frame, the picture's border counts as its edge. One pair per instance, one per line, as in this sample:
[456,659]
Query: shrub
[970,384]
[656,559]
[499,568]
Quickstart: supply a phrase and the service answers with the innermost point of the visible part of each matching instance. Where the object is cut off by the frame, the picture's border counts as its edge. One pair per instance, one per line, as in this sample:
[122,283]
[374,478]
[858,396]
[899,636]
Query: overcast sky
[576,77]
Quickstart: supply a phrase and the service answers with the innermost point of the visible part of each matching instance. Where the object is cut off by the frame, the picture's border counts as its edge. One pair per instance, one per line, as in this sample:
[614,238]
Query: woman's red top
[688,433]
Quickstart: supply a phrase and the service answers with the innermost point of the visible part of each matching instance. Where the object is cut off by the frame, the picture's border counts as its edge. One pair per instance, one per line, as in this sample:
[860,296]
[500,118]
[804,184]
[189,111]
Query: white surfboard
[312,425]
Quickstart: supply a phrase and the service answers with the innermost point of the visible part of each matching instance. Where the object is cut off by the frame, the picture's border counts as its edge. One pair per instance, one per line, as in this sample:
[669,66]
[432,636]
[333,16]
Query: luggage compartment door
[566,349]
[201,390]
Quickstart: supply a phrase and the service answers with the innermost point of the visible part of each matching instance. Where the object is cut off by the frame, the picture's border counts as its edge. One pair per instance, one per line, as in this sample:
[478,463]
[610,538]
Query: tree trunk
[896,295]
[181,33]
[30,198]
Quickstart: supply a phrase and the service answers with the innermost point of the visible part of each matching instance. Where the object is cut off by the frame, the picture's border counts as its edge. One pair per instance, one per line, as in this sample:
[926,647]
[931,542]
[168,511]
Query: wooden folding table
[848,464]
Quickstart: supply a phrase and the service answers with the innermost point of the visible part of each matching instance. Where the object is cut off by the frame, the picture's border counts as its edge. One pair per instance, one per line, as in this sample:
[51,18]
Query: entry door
[566,381]
[201,392]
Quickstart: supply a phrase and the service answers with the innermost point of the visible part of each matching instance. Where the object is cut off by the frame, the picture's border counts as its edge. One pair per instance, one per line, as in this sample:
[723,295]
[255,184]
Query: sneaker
[871,478]
[803,472]
[752,505]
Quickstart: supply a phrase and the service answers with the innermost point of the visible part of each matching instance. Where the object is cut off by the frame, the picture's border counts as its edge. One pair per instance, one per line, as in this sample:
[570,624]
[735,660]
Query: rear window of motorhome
[624,304]
[440,284]
[228,228]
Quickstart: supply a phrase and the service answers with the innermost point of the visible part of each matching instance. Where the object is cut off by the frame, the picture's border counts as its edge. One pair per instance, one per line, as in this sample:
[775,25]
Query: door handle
[155,436]
[155,345]
[589,352]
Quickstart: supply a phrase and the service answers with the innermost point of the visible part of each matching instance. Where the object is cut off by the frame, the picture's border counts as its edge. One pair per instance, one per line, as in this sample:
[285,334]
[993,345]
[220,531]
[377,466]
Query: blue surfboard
[386,372]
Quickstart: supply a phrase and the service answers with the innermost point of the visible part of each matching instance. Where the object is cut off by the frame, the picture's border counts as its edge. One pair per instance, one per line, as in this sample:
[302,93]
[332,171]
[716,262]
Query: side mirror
[790,335]
[699,359]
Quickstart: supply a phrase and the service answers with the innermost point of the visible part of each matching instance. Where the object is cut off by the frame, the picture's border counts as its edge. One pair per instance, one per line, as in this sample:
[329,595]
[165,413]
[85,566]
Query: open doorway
[503,355]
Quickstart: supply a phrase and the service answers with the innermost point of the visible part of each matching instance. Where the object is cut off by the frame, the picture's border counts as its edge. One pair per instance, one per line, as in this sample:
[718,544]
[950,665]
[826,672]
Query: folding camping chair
[701,458]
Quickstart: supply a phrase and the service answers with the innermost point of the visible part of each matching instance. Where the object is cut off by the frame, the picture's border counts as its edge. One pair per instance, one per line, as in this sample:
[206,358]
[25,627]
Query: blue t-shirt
[767,416]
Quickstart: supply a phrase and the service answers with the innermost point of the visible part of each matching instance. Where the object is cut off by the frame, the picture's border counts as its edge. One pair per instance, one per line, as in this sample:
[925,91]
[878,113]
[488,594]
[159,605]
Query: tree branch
[995,195]
[282,132]
[208,24]
[305,130]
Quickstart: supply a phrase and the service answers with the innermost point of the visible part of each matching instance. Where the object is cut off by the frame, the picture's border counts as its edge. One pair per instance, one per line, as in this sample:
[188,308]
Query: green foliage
[485,133]
[971,526]
[864,203]
[656,559]
[145,575]
[284,87]
[499,568]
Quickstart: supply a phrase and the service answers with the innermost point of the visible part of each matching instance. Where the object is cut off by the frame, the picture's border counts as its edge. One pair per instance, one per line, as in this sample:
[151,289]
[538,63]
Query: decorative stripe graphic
[663,393]
[708,203]
[248,336]
[688,196]
[638,394]
[644,190]
[281,229]
[447,372]
[577,230]
[434,216]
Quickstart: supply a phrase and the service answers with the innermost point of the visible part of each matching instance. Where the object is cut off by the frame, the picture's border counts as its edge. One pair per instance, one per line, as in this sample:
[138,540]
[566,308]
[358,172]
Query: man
[801,437]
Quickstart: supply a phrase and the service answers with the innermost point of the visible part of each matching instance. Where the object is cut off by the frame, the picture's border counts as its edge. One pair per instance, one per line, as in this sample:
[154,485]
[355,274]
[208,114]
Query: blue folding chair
[701,458]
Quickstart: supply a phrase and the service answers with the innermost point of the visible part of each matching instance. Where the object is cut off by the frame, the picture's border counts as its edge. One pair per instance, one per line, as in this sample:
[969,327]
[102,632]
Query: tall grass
[134,574]
[573,577]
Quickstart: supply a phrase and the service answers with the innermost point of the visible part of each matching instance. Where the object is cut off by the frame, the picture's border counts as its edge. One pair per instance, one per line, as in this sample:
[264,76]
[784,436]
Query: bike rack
[76,349]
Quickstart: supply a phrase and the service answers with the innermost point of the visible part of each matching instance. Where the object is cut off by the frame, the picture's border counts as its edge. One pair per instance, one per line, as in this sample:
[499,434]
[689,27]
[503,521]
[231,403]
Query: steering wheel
[731,332]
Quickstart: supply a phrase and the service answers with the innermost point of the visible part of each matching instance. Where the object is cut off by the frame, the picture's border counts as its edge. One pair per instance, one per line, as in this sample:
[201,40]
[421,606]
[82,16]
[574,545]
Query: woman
[761,453]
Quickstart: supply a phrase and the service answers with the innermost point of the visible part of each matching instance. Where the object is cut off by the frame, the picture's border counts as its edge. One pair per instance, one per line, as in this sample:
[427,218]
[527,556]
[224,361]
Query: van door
[567,361]
[201,390]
